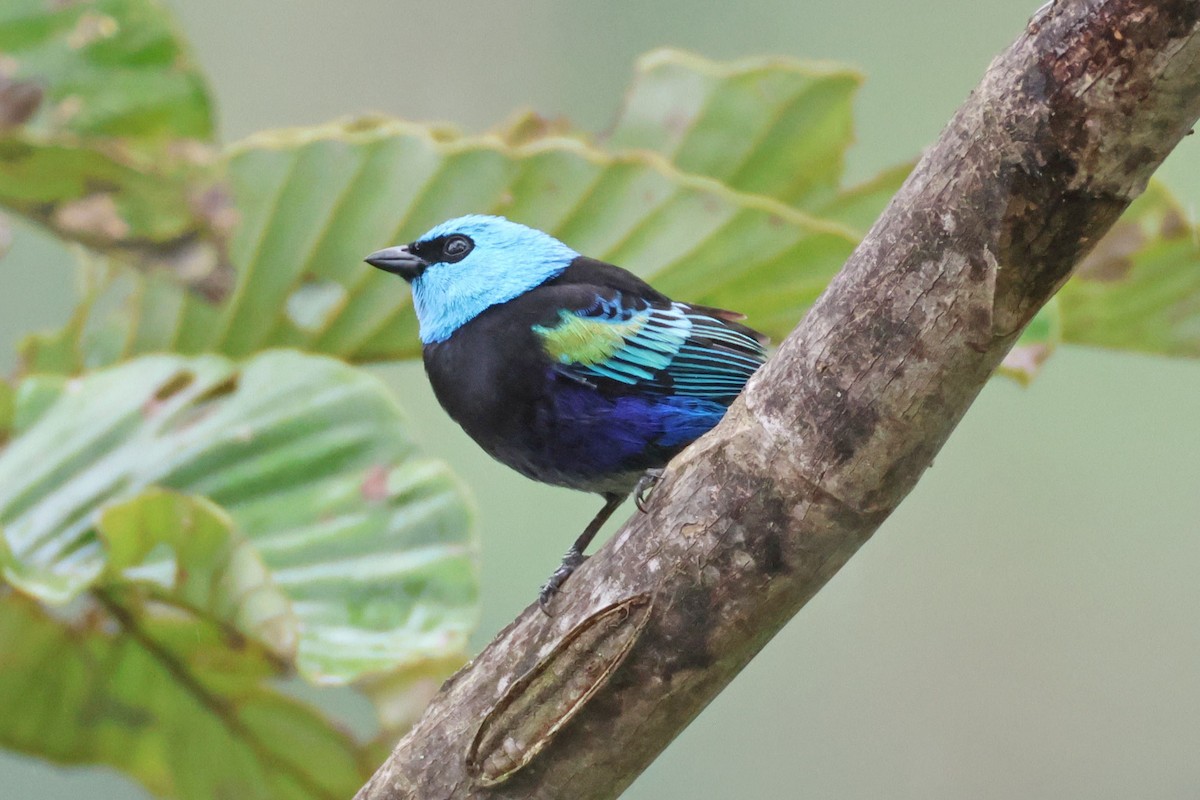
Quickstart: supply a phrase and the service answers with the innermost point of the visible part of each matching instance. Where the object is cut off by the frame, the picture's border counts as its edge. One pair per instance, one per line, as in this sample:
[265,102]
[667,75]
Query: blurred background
[1026,623]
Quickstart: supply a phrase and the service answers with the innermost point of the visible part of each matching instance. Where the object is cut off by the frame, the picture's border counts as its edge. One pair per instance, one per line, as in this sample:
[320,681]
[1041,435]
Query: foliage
[311,463]
[180,534]
[189,513]
[195,529]
[105,123]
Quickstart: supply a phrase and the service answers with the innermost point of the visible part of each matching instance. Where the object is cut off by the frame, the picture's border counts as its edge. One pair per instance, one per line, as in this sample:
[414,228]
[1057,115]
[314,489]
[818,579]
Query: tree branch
[1064,130]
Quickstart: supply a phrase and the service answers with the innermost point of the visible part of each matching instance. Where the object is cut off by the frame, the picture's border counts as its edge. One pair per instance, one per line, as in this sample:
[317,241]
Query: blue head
[466,265]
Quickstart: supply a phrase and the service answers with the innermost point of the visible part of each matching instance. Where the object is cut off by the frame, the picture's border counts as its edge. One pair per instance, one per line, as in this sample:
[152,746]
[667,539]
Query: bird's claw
[645,486]
[570,562]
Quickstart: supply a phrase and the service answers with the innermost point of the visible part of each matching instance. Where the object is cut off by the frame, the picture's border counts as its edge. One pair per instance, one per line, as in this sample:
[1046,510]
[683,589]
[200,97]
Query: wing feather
[631,344]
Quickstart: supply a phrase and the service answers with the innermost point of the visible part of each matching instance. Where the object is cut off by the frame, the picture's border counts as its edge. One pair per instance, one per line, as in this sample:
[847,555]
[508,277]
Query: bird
[570,370]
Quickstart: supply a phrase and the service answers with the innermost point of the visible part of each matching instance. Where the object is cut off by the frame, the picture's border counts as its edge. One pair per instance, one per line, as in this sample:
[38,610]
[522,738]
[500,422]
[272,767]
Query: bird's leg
[645,486]
[574,556]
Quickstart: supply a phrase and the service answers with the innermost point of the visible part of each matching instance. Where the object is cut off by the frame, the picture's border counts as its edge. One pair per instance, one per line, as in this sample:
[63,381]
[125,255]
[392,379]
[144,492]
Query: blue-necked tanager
[572,371]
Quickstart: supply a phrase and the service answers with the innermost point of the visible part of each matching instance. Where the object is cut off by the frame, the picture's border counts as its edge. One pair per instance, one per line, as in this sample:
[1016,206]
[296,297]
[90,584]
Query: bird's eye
[456,248]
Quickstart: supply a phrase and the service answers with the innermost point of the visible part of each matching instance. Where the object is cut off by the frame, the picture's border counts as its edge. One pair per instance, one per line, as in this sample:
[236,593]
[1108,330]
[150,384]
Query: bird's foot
[645,487]
[570,562]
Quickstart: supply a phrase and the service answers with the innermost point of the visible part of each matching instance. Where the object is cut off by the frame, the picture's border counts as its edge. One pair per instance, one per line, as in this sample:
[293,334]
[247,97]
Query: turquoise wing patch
[671,349]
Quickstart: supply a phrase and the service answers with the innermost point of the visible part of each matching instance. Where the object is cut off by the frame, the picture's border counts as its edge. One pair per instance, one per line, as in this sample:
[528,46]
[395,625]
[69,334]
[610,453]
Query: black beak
[398,261]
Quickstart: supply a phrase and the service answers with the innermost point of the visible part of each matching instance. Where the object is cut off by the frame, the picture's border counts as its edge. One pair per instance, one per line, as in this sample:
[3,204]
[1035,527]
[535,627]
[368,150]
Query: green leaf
[102,119]
[310,459]
[775,127]
[114,68]
[1139,289]
[340,545]
[208,568]
[113,202]
[314,202]
[162,695]
[772,126]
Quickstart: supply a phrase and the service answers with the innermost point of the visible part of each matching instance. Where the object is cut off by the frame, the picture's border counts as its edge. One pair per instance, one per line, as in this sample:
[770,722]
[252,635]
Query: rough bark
[1063,131]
